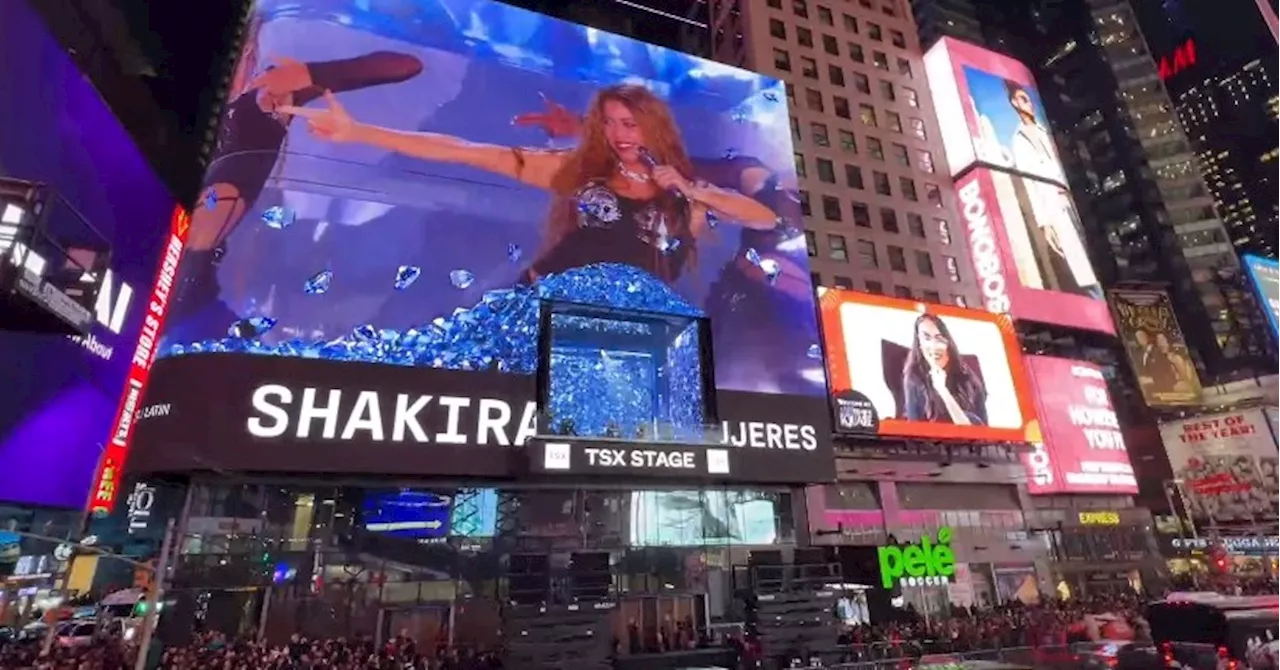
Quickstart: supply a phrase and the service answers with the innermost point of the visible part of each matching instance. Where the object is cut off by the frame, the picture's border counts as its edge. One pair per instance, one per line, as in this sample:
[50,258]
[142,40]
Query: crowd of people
[1051,623]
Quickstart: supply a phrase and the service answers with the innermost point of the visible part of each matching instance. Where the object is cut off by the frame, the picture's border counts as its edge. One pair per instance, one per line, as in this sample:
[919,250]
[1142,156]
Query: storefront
[1248,558]
[1101,551]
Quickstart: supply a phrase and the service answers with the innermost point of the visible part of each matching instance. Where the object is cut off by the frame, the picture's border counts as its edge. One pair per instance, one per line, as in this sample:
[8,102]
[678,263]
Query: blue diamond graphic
[319,283]
[514,252]
[771,270]
[461,279]
[815,352]
[753,256]
[366,333]
[406,275]
[252,327]
[278,217]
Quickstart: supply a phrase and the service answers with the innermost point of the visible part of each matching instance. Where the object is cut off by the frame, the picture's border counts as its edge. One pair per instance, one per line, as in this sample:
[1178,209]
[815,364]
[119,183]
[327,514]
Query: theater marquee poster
[1157,350]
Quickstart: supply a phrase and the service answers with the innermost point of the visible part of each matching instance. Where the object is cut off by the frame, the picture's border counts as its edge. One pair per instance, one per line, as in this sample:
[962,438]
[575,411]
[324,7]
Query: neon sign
[1183,57]
[926,562]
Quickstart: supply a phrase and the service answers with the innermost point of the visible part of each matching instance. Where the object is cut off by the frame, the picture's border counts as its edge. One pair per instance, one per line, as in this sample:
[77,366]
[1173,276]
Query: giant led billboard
[1264,274]
[1081,449]
[1147,325]
[56,129]
[908,369]
[396,194]
[1225,465]
[1023,229]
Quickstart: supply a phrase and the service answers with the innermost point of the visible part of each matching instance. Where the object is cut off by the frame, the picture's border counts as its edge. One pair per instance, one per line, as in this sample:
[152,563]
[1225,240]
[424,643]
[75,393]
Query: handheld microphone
[647,157]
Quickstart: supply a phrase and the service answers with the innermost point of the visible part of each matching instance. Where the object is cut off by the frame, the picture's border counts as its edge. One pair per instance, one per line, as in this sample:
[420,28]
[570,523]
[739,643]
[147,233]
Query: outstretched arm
[533,167]
[349,74]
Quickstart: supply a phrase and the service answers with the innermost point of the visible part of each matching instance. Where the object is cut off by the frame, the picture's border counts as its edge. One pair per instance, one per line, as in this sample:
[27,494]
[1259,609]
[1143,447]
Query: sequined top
[616,229]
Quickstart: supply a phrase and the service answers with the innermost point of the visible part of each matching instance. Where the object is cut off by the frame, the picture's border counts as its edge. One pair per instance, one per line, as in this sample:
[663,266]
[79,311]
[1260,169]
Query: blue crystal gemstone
[514,252]
[319,283]
[366,333]
[210,199]
[461,279]
[668,245]
[252,327]
[815,352]
[406,275]
[753,256]
[712,220]
[730,153]
[278,217]
[771,269]
[771,96]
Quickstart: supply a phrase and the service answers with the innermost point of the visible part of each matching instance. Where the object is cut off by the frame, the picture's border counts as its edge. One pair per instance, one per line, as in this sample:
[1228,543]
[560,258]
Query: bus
[1209,631]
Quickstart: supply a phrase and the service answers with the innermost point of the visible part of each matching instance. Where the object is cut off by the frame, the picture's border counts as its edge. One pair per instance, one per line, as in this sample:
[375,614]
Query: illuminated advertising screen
[399,196]
[1226,464]
[1023,229]
[1148,327]
[909,369]
[57,130]
[1264,273]
[1081,449]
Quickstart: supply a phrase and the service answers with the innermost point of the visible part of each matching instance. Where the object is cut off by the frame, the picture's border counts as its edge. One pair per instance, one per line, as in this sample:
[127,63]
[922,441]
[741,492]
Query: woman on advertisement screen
[623,195]
[937,385]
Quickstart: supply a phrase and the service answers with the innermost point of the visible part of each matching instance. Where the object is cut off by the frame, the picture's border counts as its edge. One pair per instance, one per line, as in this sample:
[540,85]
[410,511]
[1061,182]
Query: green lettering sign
[927,559]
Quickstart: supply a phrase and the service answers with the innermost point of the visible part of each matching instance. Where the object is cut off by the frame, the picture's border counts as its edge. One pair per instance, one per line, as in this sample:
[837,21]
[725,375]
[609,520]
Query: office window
[933,195]
[815,280]
[867,254]
[886,90]
[811,243]
[903,292]
[841,106]
[778,29]
[850,23]
[910,95]
[835,74]
[801,8]
[900,155]
[873,31]
[944,231]
[897,258]
[861,215]
[931,296]
[831,208]
[861,83]
[782,60]
[826,171]
[889,220]
[867,114]
[953,268]
[830,45]
[924,263]
[875,148]
[855,52]
[908,189]
[853,176]
[865,3]
[898,39]
[881,182]
[880,60]
[824,16]
[915,224]
[893,121]
[808,67]
[791,93]
[804,37]
[904,67]
[959,300]
[813,99]
[842,282]
[925,160]
[800,171]
[889,9]
[795,129]
[819,133]
[847,143]
[776,4]
[806,207]
[874,287]
[838,249]
[917,128]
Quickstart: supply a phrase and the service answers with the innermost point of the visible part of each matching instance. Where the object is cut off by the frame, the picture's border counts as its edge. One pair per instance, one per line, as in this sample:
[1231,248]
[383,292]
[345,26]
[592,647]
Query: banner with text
[1227,465]
[1082,450]
[1158,354]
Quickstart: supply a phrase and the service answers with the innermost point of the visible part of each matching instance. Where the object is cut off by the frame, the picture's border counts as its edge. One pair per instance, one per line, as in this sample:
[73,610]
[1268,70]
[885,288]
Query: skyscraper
[1217,61]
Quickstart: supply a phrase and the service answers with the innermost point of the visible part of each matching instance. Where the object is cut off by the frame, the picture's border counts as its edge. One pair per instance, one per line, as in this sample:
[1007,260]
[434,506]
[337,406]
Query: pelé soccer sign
[927,562]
